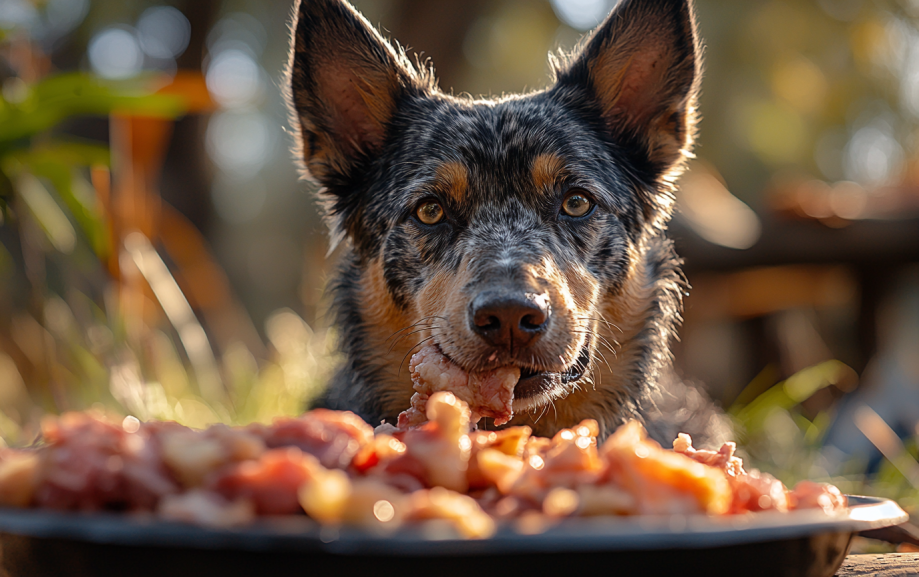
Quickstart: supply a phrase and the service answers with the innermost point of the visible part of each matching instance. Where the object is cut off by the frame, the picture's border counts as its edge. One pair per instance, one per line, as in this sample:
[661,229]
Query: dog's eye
[576,204]
[430,212]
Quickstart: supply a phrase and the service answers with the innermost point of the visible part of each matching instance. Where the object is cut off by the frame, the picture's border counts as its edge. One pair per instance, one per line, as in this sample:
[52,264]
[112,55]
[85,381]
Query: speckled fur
[380,137]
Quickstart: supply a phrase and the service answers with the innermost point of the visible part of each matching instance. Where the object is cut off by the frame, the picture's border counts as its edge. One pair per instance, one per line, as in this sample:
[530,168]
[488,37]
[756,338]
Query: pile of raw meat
[334,468]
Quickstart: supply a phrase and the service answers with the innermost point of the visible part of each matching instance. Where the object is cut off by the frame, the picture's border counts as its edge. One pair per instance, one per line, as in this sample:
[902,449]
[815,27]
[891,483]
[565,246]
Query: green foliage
[28,151]
[787,395]
[60,163]
[49,102]
[776,436]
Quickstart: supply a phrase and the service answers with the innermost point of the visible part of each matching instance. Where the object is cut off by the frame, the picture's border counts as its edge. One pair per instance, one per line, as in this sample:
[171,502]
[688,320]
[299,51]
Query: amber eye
[576,204]
[430,212]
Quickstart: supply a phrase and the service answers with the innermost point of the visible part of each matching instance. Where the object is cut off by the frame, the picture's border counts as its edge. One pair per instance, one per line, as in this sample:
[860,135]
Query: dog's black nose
[509,318]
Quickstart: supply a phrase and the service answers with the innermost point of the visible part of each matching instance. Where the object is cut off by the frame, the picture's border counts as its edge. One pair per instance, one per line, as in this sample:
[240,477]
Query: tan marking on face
[583,287]
[570,306]
[546,170]
[436,294]
[386,348]
[381,314]
[441,297]
[627,309]
[454,178]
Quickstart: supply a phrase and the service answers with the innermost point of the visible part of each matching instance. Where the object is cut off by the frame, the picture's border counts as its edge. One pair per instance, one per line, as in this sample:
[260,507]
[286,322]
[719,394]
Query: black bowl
[806,543]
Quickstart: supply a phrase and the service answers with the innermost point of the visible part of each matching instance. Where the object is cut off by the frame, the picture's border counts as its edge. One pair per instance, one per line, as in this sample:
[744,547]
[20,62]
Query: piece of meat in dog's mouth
[494,393]
[488,393]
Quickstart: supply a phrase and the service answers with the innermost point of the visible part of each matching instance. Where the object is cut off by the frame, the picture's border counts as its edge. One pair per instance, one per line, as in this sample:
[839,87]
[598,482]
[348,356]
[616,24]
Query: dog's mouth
[536,388]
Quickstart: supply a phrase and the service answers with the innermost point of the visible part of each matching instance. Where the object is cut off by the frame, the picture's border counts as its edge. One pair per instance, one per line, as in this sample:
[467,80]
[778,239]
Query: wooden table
[888,565]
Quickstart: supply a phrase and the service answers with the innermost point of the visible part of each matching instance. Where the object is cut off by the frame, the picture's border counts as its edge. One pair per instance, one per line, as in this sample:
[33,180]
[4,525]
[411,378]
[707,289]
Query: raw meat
[488,394]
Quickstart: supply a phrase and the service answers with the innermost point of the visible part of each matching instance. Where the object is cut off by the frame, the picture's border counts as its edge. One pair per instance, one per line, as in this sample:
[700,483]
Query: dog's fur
[381,138]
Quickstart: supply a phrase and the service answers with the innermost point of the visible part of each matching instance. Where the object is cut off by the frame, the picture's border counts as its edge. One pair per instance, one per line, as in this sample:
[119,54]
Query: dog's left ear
[641,68]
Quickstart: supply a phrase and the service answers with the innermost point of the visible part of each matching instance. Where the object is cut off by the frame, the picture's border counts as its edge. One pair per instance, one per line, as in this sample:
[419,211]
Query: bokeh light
[774,130]
[240,142]
[801,83]
[163,32]
[582,14]
[234,77]
[17,13]
[115,53]
[873,154]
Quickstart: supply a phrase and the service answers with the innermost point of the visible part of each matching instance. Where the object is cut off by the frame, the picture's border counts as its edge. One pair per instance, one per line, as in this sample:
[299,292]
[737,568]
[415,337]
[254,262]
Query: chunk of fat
[442,446]
[202,507]
[466,516]
[663,482]
[332,497]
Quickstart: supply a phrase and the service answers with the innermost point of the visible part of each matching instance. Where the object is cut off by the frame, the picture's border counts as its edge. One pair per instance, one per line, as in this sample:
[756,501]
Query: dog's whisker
[416,323]
[600,320]
[602,340]
[396,336]
[597,373]
[609,324]
[423,320]
[397,341]
[606,344]
[602,356]
[543,412]
[599,337]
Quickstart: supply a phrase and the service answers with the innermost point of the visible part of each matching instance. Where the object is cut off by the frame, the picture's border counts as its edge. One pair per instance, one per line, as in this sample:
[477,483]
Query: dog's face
[505,230]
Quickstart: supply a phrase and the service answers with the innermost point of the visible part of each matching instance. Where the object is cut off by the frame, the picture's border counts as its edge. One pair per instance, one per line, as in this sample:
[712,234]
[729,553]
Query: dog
[525,230]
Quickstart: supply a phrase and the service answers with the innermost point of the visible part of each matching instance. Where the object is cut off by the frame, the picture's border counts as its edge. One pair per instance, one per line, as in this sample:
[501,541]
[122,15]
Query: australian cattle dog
[526,230]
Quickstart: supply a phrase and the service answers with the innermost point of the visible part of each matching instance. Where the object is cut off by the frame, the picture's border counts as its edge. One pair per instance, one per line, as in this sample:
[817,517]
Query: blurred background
[158,256]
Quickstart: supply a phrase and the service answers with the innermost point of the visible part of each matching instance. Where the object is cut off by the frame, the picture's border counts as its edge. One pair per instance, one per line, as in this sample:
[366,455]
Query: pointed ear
[641,68]
[344,83]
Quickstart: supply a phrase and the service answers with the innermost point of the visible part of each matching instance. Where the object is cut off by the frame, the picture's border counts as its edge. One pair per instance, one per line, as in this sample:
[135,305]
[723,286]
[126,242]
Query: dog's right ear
[344,84]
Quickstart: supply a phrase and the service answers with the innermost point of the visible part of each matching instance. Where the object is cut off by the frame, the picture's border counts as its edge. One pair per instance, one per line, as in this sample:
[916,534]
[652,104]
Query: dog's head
[500,229]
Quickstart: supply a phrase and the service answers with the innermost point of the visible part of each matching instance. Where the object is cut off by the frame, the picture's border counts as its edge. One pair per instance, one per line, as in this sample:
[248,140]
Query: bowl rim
[295,533]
